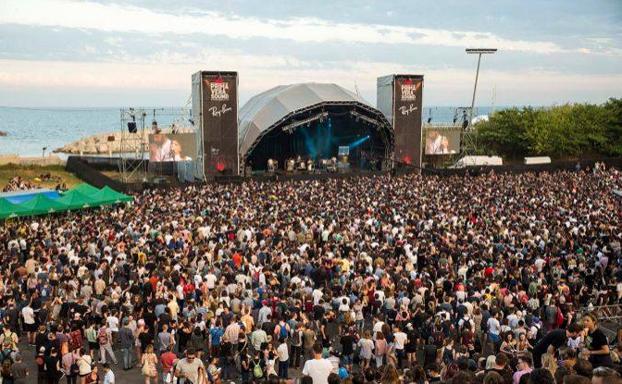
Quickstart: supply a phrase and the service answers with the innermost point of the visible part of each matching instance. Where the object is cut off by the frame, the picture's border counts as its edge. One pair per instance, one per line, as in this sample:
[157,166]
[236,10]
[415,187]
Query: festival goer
[318,368]
[188,367]
[108,374]
[556,339]
[596,345]
[149,363]
[522,367]
[433,264]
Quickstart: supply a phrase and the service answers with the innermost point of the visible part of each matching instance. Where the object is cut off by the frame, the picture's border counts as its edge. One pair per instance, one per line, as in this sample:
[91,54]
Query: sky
[120,53]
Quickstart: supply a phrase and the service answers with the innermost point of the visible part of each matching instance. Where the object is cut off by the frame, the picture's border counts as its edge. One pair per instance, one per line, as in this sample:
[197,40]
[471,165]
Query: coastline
[32,160]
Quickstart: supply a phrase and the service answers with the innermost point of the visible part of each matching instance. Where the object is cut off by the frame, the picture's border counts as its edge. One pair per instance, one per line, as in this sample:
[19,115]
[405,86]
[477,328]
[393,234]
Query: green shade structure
[82,196]
[8,209]
[74,199]
[84,188]
[108,195]
[41,205]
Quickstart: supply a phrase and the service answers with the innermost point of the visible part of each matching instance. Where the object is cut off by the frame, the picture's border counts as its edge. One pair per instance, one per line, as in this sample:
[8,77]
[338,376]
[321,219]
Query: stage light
[358,142]
[364,118]
[292,126]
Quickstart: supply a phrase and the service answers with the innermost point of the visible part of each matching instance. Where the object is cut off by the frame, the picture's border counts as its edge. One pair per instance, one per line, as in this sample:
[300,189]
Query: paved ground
[132,376]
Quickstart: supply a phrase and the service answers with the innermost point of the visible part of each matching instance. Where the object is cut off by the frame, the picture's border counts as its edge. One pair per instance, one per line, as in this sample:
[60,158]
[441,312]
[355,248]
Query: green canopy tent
[86,189]
[8,209]
[108,195]
[41,205]
[80,197]
[74,199]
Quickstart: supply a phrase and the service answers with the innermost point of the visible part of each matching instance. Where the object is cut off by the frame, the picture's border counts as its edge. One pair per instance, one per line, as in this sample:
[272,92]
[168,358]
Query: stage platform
[285,176]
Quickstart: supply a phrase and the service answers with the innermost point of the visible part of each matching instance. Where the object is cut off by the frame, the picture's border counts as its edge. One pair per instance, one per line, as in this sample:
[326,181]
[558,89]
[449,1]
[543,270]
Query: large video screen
[442,142]
[172,147]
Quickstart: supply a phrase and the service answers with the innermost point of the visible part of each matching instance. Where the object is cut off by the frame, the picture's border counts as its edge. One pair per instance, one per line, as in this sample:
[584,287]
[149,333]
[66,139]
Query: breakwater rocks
[113,142]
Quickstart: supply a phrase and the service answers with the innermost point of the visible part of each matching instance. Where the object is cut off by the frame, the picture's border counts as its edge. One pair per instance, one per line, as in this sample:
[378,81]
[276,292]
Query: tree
[570,130]
[613,109]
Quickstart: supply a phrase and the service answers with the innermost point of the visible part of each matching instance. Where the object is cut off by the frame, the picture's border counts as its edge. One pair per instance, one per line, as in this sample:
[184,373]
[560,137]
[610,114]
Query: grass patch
[31,174]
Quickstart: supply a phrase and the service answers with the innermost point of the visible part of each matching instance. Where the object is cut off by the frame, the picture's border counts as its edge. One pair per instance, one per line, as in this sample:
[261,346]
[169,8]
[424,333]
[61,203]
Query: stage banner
[218,121]
[400,98]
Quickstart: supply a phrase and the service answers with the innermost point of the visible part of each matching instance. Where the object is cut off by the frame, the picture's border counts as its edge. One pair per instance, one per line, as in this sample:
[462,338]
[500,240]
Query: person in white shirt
[317,295]
[494,330]
[318,368]
[378,324]
[28,314]
[283,355]
[211,280]
[264,312]
[400,339]
[108,374]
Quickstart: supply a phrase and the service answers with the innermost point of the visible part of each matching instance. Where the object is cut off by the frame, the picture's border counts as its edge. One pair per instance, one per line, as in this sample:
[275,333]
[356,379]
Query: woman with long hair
[366,348]
[381,348]
[390,376]
[596,345]
[149,363]
[214,372]
[523,345]
[508,345]
[549,361]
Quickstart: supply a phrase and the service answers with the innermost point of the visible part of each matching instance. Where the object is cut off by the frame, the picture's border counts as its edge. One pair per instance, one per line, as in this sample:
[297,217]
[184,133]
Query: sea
[30,130]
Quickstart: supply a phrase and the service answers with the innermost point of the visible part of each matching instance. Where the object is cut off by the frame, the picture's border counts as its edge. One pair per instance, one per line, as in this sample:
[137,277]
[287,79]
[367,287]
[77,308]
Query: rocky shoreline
[112,142]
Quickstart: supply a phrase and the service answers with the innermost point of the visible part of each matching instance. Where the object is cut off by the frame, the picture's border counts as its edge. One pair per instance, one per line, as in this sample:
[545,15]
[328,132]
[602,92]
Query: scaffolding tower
[136,125]
[468,138]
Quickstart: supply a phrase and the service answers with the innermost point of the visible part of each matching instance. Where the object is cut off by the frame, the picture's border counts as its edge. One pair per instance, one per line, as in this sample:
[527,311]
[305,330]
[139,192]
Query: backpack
[102,337]
[447,356]
[257,371]
[439,337]
[283,331]
[296,338]
[10,338]
[6,355]
[550,314]
[74,368]
[75,340]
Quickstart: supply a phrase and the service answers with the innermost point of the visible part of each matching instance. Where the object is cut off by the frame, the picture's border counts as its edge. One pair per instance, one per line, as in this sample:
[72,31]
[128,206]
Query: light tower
[479,52]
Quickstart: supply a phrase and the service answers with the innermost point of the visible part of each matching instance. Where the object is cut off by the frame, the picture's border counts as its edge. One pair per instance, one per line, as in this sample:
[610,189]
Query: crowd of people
[492,279]
[17,183]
